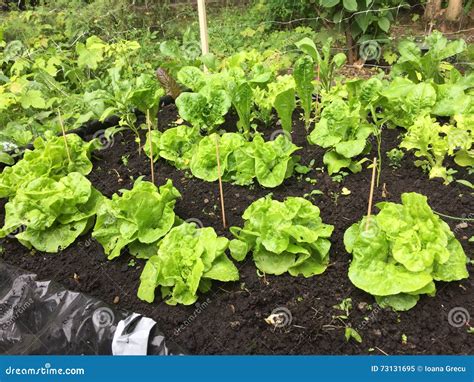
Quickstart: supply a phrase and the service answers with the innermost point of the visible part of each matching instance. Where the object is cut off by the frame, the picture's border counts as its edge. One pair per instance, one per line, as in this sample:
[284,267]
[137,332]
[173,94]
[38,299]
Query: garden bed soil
[230,318]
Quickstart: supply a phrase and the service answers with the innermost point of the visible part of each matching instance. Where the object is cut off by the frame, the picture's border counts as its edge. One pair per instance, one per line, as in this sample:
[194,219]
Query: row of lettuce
[397,255]
[43,85]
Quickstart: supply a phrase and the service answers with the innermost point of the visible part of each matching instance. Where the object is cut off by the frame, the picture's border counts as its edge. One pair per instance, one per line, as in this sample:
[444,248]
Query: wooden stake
[221,191]
[64,136]
[371,194]
[148,123]
[203,26]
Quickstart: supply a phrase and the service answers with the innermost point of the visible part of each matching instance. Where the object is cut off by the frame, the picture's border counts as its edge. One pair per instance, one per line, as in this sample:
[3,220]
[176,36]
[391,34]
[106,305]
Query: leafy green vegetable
[270,162]
[50,214]
[304,74]
[405,101]
[175,145]
[206,109]
[404,250]
[139,218]
[418,66]
[434,142]
[326,62]
[341,129]
[48,159]
[284,237]
[188,259]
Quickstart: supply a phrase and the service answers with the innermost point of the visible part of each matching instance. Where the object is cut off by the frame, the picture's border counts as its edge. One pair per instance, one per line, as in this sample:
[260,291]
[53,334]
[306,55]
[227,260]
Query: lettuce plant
[284,237]
[433,142]
[419,66]
[304,74]
[404,249]
[138,218]
[50,214]
[403,101]
[206,109]
[269,162]
[49,158]
[187,260]
[326,62]
[176,145]
[342,131]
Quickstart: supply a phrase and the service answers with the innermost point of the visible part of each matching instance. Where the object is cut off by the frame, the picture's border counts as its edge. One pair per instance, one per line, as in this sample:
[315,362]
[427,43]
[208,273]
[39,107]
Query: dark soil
[230,319]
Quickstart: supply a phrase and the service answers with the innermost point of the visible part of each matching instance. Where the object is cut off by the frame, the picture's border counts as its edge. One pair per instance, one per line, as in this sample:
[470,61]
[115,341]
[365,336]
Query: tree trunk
[454,10]
[432,9]
[351,57]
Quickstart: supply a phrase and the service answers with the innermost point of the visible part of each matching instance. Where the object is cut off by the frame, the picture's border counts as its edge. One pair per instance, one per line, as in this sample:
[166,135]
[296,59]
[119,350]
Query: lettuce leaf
[405,248]
[284,237]
[187,260]
[49,158]
[142,215]
[50,214]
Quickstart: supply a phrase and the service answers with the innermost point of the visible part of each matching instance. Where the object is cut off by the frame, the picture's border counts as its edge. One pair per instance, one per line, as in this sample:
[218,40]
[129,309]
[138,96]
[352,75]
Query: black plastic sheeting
[41,317]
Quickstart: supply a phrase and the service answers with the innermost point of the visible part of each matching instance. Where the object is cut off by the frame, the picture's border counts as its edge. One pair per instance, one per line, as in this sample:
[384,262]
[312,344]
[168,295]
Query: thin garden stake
[205,50]
[148,123]
[371,195]
[203,26]
[64,136]
[221,191]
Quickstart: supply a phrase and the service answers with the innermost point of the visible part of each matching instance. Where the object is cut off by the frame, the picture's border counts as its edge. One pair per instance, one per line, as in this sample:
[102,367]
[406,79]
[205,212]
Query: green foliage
[395,157]
[421,66]
[204,110]
[324,60]
[404,101]
[284,237]
[138,218]
[433,142]
[404,249]
[176,145]
[304,74]
[270,162]
[187,260]
[342,131]
[50,214]
[49,159]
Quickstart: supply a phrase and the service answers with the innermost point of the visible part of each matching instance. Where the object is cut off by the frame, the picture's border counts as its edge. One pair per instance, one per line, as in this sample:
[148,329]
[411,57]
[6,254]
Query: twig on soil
[64,136]
[380,350]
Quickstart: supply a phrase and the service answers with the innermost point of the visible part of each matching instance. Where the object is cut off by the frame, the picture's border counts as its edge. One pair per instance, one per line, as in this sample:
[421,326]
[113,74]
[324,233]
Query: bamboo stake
[221,191]
[371,194]
[64,136]
[203,26]
[205,50]
[148,123]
